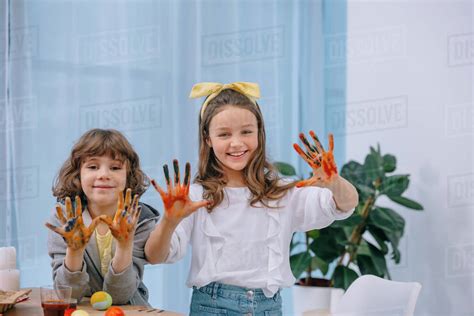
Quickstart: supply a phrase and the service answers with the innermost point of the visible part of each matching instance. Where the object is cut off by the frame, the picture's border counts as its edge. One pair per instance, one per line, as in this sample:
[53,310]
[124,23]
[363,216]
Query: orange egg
[114,311]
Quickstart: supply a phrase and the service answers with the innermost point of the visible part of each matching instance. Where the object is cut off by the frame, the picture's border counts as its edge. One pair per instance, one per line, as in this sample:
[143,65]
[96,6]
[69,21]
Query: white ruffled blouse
[247,246]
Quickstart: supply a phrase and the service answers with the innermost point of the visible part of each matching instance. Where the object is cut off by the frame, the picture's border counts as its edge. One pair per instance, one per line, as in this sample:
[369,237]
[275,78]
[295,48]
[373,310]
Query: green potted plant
[359,244]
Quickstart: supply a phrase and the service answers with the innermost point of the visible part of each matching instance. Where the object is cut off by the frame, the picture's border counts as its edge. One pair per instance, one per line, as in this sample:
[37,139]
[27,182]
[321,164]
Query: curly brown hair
[259,174]
[99,142]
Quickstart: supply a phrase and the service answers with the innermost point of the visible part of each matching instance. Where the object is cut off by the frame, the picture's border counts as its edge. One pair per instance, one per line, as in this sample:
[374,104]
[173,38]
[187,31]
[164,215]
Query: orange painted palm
[124,223]
[176,201]
[321,161]
[73,230]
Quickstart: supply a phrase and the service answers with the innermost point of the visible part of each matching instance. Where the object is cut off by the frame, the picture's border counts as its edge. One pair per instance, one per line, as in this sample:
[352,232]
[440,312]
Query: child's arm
[177,207]
[123,286]
[123,228]
[158,245]
[125,270]
[344,193]
[66,247]
[325,172]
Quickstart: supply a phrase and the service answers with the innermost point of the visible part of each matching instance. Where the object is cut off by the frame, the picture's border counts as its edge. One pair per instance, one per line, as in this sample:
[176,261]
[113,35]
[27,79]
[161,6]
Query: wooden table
[32,307]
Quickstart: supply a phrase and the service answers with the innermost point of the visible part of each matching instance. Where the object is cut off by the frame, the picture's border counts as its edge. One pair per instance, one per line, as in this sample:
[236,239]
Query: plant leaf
[318,263]
[351,221]
[406,202]
[366,265]
[391,224]
[378,258]
[373,167]
[373,262]
[330,243]
[299,263]
[353,172]
[380,238]
[395,185]
[343,277]
[365,189]
[390,237]
[394,238]
[285,169]
[386,219]
[313,234]
[389,163]
[363,249]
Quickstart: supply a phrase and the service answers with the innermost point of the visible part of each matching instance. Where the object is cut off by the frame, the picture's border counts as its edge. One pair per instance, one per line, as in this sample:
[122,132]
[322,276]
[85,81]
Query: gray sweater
[125,287]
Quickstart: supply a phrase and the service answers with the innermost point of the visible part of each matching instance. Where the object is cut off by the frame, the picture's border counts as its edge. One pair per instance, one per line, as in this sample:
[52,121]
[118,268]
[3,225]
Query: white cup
[7,258]
[9,280]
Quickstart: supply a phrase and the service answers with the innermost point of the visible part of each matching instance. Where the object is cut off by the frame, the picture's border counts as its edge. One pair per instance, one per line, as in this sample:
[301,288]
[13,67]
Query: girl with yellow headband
[239,216]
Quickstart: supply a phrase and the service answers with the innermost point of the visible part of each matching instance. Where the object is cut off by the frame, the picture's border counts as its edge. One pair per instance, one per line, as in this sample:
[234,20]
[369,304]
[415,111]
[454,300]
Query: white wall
[409,88]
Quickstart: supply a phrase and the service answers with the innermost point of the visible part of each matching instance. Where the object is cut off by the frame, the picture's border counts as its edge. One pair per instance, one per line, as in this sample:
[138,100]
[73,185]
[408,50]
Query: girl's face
[102,178]
[233,136]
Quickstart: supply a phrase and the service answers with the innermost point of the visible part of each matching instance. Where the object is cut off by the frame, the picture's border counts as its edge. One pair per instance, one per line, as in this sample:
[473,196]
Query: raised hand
[73,230]
[176,201]
[126,218]
[321,161]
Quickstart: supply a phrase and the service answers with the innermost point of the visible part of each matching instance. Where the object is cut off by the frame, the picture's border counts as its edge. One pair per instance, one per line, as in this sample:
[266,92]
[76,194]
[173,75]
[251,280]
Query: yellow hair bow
[212,89]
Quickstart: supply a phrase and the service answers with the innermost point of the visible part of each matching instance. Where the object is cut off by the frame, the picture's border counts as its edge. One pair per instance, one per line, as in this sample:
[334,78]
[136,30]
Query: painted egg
[79,313]
[115,311]
[101,300]
[69,311]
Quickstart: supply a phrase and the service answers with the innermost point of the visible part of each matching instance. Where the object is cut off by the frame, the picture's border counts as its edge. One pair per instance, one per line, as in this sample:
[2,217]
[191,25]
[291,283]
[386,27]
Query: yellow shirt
[104,245]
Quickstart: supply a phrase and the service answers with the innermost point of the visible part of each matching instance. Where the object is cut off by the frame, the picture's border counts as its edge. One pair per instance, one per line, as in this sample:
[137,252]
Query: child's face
[233,136]
[102,178]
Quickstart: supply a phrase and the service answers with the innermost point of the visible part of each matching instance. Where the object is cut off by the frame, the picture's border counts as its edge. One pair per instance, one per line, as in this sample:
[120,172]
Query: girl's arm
[158,245]
[325,172]
[344,193]
[177,207]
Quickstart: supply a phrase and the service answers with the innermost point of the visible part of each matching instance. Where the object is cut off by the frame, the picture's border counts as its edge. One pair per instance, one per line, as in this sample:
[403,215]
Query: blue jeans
[223,299]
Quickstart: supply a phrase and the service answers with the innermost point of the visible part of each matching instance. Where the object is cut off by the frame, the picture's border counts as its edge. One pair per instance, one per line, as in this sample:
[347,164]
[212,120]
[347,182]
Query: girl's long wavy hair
[259,175]
[99,142]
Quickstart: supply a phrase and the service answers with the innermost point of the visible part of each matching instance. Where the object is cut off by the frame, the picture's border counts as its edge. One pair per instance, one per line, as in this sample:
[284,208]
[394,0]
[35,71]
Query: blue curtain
[68,66]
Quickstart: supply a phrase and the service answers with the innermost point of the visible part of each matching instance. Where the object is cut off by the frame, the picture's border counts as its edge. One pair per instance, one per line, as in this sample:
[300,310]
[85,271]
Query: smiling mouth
[102,187]
[238,154]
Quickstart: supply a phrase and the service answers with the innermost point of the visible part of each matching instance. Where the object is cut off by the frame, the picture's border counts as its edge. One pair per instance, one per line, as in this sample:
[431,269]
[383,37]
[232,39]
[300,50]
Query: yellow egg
[79,313]
[101,300]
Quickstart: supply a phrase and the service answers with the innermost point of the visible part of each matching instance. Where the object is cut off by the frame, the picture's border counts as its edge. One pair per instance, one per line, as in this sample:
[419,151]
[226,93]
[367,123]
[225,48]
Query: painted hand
[176,201]
[321,161]
[126,218]
[73,230]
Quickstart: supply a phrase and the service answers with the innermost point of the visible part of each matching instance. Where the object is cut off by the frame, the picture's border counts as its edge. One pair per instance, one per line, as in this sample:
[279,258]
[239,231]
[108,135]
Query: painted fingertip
[167,173]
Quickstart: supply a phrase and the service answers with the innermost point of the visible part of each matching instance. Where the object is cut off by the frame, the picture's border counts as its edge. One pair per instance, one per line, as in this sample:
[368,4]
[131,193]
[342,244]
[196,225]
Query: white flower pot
[309,298]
